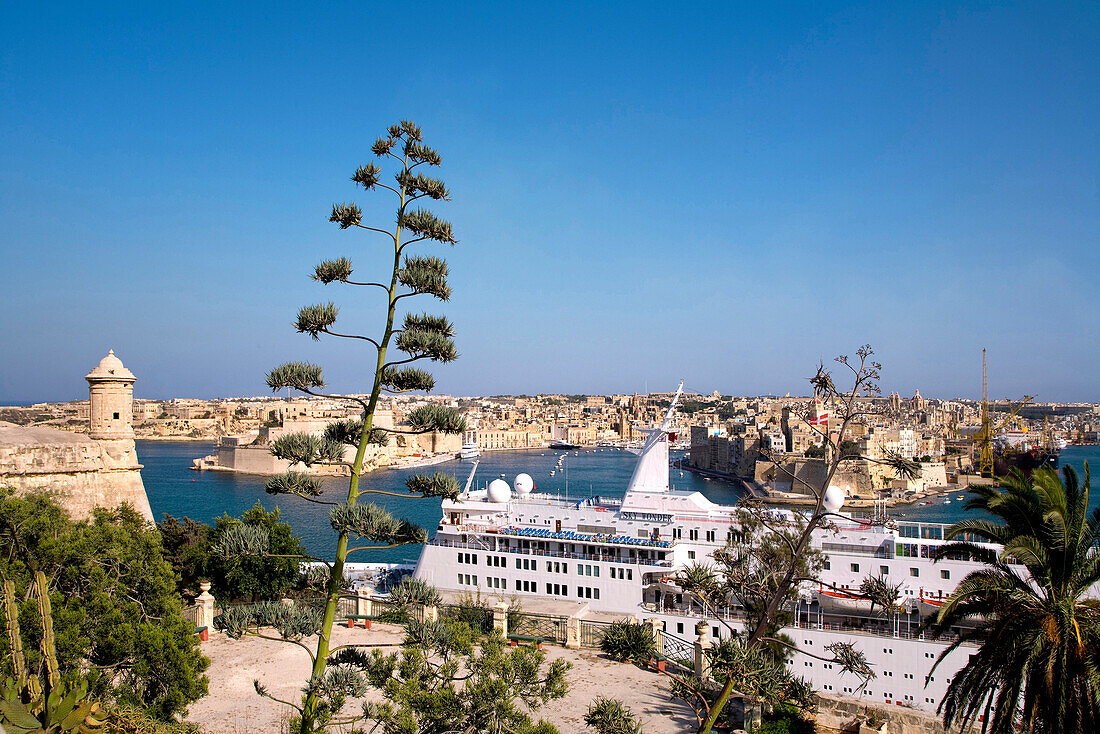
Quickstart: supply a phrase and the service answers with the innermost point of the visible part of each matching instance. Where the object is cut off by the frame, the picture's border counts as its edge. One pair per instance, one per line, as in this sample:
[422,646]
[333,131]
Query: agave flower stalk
[417,337]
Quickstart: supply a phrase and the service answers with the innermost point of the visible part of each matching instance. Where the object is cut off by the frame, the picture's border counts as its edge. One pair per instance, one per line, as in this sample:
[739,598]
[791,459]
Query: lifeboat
[929,605]
[838,602]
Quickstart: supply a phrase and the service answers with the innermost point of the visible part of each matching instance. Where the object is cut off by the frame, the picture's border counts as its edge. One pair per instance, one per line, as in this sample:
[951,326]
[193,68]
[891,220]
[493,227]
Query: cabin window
[855,568]
[884,570]
[691,554]
[914,572]
[945,574]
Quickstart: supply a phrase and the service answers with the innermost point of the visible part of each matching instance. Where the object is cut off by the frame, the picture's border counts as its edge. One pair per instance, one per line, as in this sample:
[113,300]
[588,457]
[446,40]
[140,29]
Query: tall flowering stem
[417,337]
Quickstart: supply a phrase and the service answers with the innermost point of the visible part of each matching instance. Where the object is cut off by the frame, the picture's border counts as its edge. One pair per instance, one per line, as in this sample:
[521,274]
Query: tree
[1038,665]
[419,337]
[254,578]
[780,581]
[447,679]
[117,616]
[189,547]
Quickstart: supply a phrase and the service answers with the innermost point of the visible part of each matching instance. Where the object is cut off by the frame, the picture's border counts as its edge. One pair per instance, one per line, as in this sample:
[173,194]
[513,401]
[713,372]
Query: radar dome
[834,498]
[499,491]
[523,484]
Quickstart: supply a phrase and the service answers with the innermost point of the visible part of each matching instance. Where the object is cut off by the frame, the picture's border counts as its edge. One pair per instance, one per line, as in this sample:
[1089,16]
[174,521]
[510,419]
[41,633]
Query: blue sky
[724,192]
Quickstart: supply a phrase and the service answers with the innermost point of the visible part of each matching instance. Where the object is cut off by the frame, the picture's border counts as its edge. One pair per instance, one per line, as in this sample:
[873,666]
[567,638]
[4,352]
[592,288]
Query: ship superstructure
[621,555]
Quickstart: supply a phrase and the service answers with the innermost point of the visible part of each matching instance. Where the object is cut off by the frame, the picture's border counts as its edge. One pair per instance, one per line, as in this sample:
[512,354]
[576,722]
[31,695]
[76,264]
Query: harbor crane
[984,436]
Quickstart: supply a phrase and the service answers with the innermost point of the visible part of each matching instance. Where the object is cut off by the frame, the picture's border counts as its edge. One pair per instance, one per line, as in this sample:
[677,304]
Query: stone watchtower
[85,472]
[111,400]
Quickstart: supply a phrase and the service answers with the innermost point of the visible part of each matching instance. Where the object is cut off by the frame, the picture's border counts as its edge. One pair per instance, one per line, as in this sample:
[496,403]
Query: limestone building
[97,470]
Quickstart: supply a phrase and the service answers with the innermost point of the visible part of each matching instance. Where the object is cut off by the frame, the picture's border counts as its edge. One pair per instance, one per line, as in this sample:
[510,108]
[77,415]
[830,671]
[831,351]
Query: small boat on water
[469,451]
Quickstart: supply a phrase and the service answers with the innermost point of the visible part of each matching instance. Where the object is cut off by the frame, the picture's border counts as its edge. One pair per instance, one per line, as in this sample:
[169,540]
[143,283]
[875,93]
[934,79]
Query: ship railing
[884,550]
[562,536]
[551,554]
[869,626]
[726,613]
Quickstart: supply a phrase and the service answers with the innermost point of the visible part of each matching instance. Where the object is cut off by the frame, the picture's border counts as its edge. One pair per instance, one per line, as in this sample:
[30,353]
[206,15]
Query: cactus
[49,652]
[15,640]
[27,706]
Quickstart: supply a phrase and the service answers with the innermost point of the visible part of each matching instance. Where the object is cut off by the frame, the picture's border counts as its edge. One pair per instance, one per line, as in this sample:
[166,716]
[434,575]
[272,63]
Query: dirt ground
[233,707]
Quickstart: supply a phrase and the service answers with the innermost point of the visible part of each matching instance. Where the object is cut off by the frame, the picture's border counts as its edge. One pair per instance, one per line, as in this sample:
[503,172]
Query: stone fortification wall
[256,458]
[841,714]
[250,459]
[852,476]
[83,473]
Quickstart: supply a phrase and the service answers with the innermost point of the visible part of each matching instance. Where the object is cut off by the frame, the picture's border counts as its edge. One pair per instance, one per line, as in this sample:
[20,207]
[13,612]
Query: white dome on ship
[834,498]
[499,491]
[523,484]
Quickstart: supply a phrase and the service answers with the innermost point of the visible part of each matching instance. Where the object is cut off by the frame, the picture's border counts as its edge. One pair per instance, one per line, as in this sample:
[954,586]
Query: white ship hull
[619,556]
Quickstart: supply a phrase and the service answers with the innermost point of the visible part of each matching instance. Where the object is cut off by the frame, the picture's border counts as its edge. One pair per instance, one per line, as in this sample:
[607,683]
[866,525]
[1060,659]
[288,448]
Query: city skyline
[742,194]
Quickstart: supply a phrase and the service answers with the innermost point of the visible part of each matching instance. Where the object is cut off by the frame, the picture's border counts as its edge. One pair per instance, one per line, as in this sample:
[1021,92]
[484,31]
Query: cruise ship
[621,556]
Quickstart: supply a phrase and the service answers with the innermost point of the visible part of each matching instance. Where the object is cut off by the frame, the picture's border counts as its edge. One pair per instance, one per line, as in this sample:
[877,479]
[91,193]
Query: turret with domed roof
[111,399]
[82,472]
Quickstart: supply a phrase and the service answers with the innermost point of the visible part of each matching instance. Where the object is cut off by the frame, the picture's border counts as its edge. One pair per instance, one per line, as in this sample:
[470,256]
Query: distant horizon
[775,395]
[723,193]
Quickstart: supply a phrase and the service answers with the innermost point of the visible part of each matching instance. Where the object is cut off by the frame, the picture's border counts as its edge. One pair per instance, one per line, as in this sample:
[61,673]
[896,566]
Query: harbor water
[175,489]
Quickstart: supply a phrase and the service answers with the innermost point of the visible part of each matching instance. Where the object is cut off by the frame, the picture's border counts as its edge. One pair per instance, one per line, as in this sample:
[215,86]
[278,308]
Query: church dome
[110,368]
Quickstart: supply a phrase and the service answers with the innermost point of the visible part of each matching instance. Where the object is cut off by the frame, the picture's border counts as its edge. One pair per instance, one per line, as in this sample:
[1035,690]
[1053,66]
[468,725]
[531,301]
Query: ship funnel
[651,471]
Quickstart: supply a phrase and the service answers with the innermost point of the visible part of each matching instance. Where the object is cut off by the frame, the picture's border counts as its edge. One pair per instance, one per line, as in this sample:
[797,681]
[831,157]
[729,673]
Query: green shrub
[610,716]
[627,641]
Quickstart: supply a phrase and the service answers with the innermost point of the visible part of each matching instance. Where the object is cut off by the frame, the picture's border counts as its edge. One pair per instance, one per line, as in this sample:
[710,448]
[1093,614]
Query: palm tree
[1038,665]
